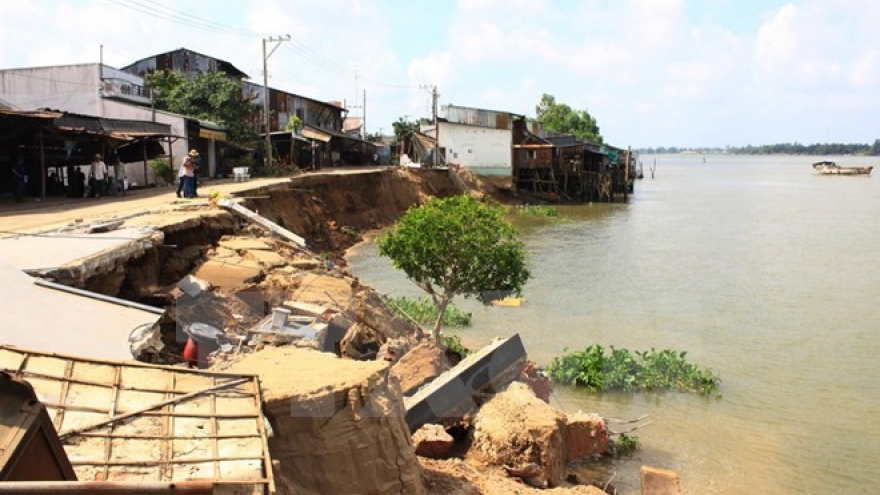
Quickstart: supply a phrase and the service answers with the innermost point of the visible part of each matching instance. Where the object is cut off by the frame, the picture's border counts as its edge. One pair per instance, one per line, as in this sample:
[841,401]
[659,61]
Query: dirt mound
[521,433]
[338,424]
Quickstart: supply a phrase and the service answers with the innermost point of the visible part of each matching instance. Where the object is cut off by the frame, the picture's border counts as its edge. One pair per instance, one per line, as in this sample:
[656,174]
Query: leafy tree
[560,117]
[294,124]
[456,246]
[210,96]
[403,128]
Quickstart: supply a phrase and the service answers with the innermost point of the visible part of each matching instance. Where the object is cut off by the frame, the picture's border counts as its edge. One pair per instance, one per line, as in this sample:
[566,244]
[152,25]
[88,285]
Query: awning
[312,133]
[212,134]
[210,130]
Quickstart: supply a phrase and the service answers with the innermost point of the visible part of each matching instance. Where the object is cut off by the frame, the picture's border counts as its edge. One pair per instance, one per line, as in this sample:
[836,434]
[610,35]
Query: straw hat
[193,153]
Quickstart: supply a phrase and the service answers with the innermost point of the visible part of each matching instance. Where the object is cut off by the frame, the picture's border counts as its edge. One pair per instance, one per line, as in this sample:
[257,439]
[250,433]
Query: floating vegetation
[625,445]
[424,312]
[619,369]
[537,210]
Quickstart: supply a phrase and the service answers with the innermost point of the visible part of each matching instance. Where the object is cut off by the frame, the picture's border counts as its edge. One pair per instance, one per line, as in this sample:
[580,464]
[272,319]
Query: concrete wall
[474,146]
[72,88]
[77,89]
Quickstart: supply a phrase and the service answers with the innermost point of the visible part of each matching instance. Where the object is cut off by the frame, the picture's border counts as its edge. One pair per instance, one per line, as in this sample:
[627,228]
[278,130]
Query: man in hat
[189,166]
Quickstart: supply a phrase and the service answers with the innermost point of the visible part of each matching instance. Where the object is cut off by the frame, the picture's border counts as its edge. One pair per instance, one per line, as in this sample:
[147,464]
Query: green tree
[210,96]
[403,128]
[456,246]
[560,117]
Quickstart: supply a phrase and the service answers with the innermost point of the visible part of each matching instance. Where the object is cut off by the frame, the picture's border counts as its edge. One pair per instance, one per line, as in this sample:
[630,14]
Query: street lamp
[277,42]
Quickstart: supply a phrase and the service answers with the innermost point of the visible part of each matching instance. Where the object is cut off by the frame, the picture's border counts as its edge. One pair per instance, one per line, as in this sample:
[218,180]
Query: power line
[182,18]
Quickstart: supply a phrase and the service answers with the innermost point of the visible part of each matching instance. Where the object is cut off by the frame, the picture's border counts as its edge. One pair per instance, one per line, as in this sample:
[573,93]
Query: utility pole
[436,128]
[364,123]
[277,41]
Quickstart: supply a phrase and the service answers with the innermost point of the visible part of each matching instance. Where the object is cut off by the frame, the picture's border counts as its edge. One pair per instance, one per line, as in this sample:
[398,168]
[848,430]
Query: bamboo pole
[152,406]
[107,487]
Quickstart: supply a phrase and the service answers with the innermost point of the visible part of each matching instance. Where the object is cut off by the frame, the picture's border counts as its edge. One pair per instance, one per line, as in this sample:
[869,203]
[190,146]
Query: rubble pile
[524,435]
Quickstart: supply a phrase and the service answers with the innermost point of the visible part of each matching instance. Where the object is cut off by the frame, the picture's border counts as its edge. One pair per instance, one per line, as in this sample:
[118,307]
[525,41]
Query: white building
[473,137]
[102,91]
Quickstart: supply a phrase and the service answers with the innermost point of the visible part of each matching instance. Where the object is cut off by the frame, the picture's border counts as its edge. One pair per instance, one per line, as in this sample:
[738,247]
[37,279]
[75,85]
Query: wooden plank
[262,221]
[455,392]
[153,406]
[108,442]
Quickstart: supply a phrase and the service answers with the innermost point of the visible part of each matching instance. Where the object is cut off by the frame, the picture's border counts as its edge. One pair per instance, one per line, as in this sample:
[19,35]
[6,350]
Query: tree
[210,96]
[560,117]
[456,246]
[403,128]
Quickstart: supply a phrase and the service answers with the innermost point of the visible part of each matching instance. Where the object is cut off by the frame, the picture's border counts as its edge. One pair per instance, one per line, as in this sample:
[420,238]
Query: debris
[433,441]
[456,392]
[585,435]
[515,428]
[420,365]
[262,221]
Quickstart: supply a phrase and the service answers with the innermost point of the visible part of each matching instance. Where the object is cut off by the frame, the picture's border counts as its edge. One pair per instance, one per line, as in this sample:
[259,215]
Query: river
[762,271]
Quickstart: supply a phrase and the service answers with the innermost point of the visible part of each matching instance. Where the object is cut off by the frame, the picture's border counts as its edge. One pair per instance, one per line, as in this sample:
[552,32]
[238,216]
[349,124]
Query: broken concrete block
[458,391]
[420,365]
[193,286]
[244,243]
[268,259]
[229,273]
[585,435]
[659,482]
[532,374]
[433,442]
[523,434]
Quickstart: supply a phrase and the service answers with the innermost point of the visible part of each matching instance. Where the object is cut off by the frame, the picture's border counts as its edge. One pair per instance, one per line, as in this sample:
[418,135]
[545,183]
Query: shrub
[162,168]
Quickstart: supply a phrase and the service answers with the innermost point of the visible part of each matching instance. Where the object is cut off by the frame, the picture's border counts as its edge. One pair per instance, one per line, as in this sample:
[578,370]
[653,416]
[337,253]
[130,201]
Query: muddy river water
[763,271]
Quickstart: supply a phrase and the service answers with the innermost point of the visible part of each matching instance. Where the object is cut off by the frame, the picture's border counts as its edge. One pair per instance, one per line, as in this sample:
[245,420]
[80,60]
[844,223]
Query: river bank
[248,273]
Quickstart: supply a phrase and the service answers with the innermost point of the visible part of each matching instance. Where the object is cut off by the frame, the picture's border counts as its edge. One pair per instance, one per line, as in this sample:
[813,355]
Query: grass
[424,311]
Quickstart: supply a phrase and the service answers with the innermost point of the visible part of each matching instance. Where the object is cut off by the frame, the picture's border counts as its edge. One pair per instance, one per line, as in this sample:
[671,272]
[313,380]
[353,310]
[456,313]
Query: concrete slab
[229,272]
[53,321]
[455,392]
[57,249]
[269,259]
[240,243]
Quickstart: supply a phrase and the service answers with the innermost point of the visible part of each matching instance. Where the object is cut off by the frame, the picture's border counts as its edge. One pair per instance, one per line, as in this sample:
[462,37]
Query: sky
[684,73]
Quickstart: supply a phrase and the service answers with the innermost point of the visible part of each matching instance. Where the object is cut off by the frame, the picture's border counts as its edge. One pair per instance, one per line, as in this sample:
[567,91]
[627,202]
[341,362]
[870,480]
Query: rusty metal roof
[130,421]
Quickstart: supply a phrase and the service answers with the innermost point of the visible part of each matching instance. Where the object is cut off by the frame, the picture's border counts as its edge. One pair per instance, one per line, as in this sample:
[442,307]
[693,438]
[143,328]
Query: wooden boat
[508,301]
[831,168]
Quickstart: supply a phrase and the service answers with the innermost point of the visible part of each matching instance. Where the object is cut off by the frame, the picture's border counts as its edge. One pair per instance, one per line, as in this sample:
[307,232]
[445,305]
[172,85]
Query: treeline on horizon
[778,149]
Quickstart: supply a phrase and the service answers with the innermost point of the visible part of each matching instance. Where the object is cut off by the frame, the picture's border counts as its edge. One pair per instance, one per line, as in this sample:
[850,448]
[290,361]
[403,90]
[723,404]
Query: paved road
[56,212]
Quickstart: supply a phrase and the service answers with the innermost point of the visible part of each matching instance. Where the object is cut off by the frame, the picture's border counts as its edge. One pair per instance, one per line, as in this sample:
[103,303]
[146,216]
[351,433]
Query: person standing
[20,174]
[98,173]
[181,173]
[190,163]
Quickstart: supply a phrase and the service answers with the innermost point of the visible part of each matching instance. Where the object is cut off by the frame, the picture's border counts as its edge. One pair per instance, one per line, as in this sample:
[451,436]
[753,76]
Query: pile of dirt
[457,477]
[522,434]
[338,424]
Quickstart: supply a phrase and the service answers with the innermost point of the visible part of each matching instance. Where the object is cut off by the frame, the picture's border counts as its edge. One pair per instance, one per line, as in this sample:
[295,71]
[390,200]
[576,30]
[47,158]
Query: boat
[508,301]
[831,168]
